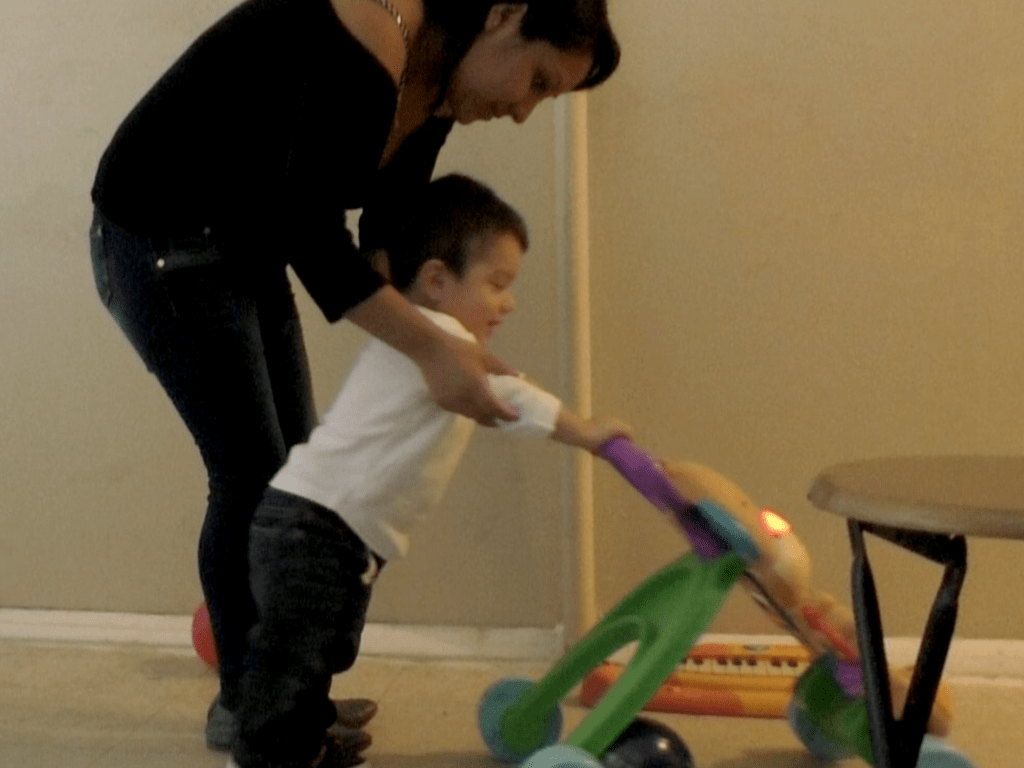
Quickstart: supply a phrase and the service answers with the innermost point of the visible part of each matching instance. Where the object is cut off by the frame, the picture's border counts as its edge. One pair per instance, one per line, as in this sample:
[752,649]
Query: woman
[242,159]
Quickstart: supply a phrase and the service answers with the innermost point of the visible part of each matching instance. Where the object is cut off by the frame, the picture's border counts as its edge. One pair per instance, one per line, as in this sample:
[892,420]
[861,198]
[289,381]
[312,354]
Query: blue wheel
[817,743]
[562,756]
[935,753]
[514,742]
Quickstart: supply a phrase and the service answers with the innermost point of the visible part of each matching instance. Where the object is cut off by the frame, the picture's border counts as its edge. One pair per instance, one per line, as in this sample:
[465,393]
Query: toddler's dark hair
[440,223]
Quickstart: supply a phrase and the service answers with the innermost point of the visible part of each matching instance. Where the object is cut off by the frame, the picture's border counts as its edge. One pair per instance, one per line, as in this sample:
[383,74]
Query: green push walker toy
[521,721]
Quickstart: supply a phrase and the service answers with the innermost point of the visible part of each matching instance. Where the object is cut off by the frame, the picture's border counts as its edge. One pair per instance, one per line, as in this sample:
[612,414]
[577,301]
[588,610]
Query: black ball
[648,744]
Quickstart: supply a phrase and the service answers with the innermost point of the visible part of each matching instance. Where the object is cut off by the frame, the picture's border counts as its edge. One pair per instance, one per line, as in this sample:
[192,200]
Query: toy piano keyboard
[727,680]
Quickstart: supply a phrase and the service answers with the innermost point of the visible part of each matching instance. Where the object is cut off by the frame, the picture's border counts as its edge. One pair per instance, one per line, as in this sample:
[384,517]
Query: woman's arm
[455,370]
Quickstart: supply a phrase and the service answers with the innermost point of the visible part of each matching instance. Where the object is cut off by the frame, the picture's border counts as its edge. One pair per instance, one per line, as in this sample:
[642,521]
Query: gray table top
[972,495]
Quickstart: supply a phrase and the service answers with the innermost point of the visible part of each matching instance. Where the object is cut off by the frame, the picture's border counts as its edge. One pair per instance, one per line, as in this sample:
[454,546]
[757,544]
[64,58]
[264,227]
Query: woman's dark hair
[452,210]
[569,25]
[575,25]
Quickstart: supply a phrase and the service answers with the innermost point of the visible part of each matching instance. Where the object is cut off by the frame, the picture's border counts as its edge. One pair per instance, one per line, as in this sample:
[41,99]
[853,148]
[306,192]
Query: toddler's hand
[599,431]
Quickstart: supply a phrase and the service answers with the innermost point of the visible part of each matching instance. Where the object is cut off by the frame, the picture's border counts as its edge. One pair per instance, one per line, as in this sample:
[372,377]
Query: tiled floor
[117,706]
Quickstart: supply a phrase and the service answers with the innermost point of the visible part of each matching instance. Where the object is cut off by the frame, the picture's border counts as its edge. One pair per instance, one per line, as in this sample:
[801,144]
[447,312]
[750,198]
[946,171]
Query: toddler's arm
[544,414]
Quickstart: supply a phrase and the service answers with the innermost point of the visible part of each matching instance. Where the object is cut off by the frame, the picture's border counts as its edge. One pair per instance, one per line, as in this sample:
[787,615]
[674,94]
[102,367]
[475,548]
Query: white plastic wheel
[935,753]
[562,756]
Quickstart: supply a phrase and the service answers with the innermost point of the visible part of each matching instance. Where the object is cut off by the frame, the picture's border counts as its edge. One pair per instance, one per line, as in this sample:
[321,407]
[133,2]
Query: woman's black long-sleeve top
[265,131]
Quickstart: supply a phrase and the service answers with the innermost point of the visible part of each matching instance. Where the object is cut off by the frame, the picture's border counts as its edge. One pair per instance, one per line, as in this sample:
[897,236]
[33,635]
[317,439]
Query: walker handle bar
[644,474]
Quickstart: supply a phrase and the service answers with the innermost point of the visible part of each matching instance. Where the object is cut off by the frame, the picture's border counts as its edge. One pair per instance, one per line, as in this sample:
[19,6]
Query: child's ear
[380,261]
[434,276]
[501,13]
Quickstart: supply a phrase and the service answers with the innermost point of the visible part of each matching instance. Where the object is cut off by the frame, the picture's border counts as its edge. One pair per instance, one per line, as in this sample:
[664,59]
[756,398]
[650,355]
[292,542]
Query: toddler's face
[482,297]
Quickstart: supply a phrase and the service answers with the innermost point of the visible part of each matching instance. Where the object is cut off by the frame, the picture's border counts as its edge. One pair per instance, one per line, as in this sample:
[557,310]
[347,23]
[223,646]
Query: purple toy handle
[644,474]
[640,469]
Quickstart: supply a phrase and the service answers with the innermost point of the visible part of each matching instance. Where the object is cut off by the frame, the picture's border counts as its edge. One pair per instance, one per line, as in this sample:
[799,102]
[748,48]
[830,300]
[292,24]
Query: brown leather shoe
[349,740]
[342,748]
[355,713]
[221,726]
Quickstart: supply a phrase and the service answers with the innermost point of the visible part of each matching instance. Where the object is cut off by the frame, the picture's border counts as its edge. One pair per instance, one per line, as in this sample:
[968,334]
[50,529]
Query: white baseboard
[95,627]
[410,641]
[462,642]
[967,657]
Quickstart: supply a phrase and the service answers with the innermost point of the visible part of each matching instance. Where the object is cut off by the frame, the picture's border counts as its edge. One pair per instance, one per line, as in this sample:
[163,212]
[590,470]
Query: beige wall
[807,227]
[103,490]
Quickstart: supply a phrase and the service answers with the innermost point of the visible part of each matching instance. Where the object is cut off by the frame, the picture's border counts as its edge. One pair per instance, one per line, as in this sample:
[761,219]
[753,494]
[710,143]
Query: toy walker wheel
[935,753]
[817,743]
[529,736]
[562,756]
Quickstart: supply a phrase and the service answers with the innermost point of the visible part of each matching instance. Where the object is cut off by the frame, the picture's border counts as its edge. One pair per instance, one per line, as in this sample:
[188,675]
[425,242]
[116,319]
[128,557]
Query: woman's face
[503,75]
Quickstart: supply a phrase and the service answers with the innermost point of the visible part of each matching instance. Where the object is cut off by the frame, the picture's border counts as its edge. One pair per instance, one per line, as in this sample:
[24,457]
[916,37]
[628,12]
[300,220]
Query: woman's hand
[456,374]
[455,369]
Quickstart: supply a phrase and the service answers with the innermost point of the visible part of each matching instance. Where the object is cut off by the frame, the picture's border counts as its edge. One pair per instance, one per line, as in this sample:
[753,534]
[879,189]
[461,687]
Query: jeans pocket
[195,281]
[100,267]
[185,256]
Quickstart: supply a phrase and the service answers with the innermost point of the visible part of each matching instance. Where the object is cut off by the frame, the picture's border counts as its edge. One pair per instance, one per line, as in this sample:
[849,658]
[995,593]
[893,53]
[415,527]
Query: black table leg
[872,652]
[897,743]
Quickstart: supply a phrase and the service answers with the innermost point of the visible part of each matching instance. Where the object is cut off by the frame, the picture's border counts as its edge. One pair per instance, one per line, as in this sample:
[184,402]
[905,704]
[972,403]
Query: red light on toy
[774,524]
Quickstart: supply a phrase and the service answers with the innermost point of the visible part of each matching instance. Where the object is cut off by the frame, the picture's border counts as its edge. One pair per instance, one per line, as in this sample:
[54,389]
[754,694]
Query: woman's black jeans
[311,577]
[227,348]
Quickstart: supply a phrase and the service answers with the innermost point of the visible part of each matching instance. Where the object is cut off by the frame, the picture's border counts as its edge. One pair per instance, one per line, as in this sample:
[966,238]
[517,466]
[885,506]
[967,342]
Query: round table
[927,505]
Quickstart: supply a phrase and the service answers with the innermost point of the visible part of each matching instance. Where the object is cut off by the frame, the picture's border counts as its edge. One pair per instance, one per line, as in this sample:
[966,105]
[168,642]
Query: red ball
[202,636]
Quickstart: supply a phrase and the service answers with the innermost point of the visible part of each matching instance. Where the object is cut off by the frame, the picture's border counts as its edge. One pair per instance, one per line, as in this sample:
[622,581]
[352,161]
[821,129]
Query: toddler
[345,500]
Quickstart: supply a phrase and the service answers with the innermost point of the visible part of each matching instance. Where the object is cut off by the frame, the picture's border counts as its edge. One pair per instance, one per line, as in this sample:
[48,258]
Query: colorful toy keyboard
[719,679]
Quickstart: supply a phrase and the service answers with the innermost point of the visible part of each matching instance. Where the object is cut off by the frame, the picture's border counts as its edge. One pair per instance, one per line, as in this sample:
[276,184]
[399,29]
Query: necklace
[388,6]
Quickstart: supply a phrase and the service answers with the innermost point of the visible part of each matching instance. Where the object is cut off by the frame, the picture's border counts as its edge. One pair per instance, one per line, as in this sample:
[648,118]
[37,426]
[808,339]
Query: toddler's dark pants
[311,578]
